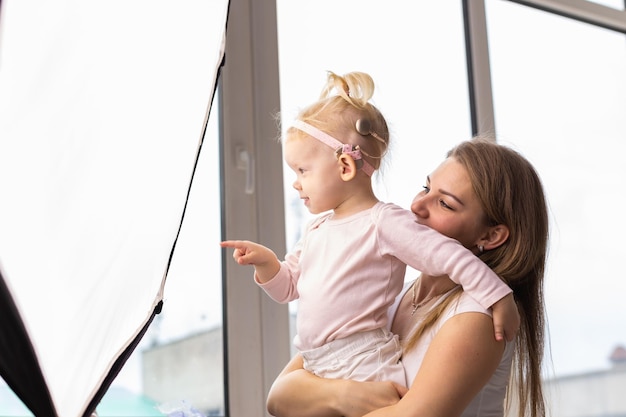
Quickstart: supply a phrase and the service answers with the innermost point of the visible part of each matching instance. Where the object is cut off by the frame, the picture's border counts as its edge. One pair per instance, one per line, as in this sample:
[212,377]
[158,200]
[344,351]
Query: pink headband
[339,147]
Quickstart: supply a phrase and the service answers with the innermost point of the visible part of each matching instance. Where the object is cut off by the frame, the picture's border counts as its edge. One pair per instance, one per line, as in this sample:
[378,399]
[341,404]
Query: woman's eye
[444,205]
[426,189]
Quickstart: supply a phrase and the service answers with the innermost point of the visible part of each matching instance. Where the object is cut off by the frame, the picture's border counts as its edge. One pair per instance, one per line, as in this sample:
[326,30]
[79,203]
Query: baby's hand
[246,252]
[264,259]
[506,318]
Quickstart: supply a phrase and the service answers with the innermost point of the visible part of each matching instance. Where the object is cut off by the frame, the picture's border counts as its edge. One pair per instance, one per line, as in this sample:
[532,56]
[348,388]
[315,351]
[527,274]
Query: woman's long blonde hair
[510,193]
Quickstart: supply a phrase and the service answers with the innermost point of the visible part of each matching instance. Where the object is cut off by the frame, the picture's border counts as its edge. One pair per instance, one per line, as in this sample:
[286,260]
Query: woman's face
[449,205]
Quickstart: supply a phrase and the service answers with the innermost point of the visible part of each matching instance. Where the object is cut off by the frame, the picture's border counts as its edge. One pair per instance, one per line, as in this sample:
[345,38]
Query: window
[559,98]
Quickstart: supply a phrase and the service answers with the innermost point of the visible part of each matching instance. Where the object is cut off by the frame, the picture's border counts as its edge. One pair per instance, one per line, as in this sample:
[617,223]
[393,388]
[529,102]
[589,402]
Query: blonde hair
[344,100]
[510,193]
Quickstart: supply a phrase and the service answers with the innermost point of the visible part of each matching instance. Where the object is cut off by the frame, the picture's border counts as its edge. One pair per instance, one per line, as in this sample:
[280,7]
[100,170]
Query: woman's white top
[489,402]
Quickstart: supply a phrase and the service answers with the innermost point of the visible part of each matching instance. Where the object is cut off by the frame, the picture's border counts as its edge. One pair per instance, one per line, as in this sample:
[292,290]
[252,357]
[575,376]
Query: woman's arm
[460,360]
[297,392]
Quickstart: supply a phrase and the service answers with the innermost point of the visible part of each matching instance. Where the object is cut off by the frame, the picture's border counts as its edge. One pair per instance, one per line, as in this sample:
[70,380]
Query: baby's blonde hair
[344,100]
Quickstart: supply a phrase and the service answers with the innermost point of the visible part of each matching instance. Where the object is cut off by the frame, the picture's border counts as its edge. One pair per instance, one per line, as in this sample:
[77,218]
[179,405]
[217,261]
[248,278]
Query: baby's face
[317,172]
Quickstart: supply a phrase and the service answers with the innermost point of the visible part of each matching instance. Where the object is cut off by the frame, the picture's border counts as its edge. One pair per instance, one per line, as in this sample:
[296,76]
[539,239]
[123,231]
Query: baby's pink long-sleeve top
[347,272]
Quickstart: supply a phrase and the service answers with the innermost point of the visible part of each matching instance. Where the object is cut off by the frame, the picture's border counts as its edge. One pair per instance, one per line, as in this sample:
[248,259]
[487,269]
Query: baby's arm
[479,281]
[487,288]
[435,254]
[264,260]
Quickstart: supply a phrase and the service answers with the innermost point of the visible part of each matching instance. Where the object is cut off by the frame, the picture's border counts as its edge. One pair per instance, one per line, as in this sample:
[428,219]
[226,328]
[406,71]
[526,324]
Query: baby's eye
[301,170]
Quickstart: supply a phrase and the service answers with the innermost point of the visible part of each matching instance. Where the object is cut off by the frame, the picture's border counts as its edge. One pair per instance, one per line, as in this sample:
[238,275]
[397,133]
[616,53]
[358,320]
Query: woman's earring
[481,248]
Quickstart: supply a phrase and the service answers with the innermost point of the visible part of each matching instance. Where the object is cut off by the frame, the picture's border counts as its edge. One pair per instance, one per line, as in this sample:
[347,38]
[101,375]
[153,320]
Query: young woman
[491,200]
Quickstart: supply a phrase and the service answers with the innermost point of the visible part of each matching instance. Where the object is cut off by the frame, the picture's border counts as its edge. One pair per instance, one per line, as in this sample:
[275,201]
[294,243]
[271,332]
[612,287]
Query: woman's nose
[419,206]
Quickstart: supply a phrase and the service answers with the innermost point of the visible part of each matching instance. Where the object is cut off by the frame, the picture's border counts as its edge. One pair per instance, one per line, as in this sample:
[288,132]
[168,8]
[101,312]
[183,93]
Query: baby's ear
[348,167]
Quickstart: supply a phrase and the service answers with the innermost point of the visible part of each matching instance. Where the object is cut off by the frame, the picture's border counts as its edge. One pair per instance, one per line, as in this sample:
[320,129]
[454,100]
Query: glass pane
[180,358]
[615,4]
[415,54]
[10,404]
[559,97]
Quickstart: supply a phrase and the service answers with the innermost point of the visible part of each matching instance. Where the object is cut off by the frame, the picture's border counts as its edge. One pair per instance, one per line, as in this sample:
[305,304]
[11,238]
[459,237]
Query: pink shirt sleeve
[283,287]
[432,253]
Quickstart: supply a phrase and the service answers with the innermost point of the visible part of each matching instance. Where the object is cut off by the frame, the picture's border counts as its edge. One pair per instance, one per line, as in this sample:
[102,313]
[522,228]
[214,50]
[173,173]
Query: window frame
[256,336]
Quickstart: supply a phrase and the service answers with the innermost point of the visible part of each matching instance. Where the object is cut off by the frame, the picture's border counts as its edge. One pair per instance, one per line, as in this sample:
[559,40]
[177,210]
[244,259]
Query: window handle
[245,162]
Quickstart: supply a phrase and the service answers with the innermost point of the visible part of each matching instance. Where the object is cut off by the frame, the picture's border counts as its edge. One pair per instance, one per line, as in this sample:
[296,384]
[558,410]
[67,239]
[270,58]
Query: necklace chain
[414,302]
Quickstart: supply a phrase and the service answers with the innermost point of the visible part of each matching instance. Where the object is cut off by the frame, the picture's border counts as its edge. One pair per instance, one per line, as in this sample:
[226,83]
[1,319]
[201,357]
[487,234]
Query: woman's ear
[348,167]
[495,237]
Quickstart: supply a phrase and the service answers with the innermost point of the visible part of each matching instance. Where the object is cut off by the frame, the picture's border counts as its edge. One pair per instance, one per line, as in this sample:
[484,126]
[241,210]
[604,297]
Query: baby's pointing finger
[235,244]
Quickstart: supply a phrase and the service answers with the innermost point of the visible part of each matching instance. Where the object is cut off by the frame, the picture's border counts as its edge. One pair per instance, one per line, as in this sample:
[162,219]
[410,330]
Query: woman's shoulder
[464,335]
[466,304]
